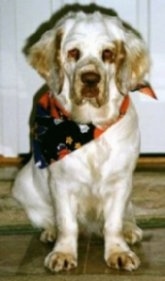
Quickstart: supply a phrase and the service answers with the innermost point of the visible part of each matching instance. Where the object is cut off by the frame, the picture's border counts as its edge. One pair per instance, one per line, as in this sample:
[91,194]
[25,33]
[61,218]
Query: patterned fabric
[54,134]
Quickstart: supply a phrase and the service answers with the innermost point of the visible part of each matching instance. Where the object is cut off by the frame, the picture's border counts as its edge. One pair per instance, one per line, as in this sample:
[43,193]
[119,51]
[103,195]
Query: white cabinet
[151,113]
[18,82]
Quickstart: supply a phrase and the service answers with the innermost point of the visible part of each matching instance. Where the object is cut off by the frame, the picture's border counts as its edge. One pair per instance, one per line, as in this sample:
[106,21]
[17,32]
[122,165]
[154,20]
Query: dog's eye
[108,55]
[74,54]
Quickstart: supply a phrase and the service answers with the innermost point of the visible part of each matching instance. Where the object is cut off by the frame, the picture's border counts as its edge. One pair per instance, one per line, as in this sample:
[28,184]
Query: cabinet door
[152,113]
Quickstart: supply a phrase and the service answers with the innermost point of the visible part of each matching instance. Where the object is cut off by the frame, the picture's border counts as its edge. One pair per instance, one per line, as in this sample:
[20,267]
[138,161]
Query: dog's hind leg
[48,235]
[32,191]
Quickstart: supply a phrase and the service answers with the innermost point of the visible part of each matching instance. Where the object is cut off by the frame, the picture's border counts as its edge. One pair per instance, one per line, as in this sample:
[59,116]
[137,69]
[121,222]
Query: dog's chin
[88,110]
[94,101]
[92,97]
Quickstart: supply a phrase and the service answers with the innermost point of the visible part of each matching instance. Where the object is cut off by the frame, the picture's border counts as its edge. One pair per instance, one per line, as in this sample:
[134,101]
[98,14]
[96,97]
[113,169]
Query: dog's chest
[86,170]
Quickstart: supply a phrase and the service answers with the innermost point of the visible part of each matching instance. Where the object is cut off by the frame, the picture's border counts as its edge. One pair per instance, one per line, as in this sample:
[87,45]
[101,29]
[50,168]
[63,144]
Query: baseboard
[10,161]
[14,161]
[154,162]
[144,161]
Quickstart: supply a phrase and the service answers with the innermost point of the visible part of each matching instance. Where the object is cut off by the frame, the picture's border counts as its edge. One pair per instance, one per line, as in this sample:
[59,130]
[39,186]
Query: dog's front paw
[123,260]
[57,261]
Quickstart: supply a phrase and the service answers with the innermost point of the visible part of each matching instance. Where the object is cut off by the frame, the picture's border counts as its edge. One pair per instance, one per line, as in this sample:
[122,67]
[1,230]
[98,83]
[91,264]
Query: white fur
[90,187]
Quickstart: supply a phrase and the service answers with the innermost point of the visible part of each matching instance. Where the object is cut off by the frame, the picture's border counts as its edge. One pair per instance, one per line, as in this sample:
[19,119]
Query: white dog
[90,62]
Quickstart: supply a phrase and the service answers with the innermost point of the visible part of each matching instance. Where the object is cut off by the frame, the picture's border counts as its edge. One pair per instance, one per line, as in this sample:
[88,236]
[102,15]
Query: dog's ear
[45,57]
[134,63]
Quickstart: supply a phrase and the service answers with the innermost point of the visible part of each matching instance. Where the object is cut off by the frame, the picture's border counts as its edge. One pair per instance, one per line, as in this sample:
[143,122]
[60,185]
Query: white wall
[18,82]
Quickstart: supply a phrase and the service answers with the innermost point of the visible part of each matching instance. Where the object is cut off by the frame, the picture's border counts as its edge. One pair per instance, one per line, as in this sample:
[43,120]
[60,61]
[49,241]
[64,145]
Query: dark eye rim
[107,55]
[74,54]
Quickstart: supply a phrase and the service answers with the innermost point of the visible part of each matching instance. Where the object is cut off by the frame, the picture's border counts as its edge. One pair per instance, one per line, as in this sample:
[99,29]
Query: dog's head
[90,61]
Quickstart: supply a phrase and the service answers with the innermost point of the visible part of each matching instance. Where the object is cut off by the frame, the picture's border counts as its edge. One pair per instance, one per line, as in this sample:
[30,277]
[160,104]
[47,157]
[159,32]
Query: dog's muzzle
[90,82]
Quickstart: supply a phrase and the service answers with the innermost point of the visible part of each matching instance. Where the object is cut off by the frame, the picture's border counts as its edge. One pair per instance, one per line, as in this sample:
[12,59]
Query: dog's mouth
[90,95]
[89,88]
[89,92]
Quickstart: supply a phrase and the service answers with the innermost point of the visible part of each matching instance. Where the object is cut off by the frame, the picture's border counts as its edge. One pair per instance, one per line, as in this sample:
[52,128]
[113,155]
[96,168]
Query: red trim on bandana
[146,89]
[48,101]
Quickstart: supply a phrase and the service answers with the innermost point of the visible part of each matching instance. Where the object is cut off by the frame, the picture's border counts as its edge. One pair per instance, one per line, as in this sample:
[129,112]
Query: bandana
[55,135]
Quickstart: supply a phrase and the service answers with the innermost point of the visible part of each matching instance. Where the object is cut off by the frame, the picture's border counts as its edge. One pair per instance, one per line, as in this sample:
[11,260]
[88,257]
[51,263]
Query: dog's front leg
[64,253]
[117,252]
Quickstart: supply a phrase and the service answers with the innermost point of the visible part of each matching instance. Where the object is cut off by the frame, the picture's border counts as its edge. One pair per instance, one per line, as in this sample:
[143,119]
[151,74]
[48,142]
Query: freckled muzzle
[89,85]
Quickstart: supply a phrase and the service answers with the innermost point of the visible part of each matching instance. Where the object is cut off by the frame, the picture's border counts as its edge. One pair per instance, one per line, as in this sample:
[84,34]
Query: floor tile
[24,255]
[13,248]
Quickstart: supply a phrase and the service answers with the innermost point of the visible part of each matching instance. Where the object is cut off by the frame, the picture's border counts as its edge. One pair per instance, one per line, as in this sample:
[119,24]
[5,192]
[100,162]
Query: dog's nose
[91,79]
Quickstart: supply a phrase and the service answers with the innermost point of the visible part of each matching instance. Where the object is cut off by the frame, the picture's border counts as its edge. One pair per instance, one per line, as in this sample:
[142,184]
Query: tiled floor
[22,254]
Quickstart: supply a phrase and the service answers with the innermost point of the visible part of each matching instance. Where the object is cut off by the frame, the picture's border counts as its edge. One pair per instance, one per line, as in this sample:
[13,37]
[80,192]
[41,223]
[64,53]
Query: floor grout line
[86,256]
